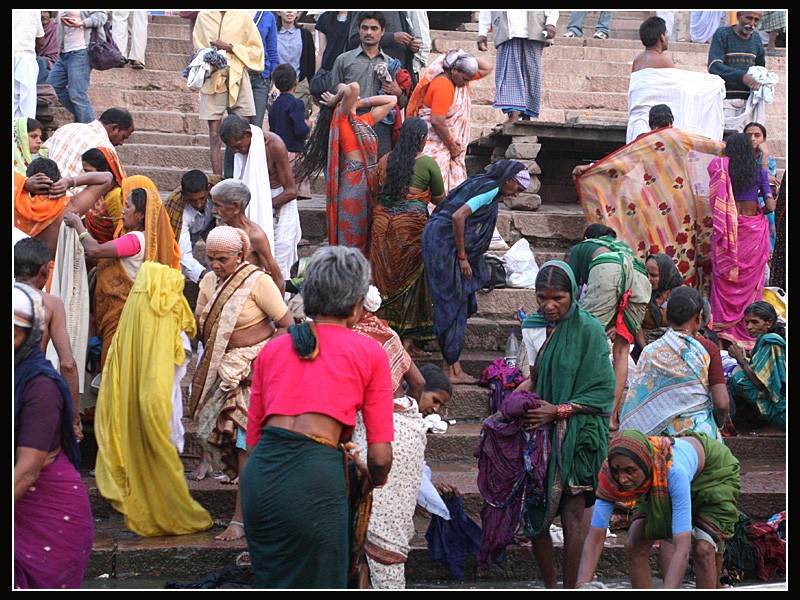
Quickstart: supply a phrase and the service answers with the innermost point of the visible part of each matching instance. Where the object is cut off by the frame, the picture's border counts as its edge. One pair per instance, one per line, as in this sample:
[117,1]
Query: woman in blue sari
[453,244]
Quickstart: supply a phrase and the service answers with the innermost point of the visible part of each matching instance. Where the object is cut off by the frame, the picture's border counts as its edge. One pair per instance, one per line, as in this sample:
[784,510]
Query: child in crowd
[287,112]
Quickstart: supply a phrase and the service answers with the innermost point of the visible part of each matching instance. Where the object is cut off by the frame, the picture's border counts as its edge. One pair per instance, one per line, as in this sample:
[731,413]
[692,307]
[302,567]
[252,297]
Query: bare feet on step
[458,376]
[202,471]
[235,531]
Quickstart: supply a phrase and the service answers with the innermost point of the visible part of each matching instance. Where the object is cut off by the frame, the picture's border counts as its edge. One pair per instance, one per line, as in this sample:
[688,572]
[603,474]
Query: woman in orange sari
[442,100]
[344,146]
[144,233]
[101,219]
[405,183]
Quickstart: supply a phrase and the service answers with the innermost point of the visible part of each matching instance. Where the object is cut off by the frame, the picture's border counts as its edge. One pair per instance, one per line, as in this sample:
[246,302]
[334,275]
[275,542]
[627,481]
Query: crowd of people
[628,398]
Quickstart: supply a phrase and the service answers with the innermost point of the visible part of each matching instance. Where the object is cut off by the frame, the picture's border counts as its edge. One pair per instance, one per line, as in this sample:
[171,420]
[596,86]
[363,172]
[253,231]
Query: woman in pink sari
[442,100]
[740,239]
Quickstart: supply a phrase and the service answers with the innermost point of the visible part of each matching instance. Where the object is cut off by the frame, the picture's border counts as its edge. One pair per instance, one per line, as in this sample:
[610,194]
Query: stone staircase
[582,78]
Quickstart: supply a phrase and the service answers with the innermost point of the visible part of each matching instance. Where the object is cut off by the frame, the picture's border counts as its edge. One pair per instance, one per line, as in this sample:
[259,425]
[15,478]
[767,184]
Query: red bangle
[563,411]
[461,257]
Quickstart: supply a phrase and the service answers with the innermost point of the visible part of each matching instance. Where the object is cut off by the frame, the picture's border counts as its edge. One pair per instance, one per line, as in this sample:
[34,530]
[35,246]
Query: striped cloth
[518,76]
[70,141]
[773,20]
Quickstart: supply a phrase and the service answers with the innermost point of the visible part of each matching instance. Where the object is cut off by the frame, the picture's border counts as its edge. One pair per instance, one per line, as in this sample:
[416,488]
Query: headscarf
[30,362]
[225,238]
[654,455]
[461,61]
[523,178]
[668,279]
[160,244]
[22,147]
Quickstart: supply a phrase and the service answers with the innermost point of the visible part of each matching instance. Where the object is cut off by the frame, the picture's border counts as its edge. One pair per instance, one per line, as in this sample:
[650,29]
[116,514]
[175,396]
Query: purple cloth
[53,530]
[503,475]
[500,378]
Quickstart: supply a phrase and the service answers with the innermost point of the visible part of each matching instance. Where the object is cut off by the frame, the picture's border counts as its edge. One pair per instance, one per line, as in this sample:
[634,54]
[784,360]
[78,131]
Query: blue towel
[450,542]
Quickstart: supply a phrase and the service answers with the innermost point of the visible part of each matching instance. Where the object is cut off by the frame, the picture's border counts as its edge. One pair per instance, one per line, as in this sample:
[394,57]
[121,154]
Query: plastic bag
[521,266]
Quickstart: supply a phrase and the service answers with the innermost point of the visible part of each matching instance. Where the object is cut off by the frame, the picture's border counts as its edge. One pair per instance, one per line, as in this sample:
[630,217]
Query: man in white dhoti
[250,167]
[695,98]
[285,194]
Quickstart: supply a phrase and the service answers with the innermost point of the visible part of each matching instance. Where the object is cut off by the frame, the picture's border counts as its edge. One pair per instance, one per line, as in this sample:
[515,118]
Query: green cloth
[768,360]
[574,367]
[715,495]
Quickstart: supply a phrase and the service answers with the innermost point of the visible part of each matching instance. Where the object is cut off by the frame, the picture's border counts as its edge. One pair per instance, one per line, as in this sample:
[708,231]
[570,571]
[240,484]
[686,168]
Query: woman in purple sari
[740,244]
[53,528]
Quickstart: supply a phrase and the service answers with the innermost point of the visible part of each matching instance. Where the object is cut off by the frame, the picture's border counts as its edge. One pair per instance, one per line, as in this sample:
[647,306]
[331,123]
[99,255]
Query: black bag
[497,273]
[103,52]
[320,82]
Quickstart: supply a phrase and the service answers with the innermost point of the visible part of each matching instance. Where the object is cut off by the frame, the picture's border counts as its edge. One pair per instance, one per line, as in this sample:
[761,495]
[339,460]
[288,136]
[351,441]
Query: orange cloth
[33,214]
[347,137]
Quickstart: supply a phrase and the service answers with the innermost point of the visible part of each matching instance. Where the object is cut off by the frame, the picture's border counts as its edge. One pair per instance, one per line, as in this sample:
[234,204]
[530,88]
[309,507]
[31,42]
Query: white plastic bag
[521,267]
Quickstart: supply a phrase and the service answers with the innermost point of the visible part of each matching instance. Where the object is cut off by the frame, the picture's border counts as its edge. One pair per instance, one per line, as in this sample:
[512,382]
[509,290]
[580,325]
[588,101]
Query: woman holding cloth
[740,245]
[572,375]
[239,308]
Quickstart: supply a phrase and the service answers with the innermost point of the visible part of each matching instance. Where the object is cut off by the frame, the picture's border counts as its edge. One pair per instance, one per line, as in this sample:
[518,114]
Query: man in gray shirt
[359,65]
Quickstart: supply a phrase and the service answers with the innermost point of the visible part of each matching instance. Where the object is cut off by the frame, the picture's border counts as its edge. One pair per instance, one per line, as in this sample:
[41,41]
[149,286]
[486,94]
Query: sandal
[135,64]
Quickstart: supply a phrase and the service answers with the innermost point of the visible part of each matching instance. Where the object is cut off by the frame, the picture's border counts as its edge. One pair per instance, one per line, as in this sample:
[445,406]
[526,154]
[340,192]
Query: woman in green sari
[27,135]
[759,382]
[686,489]
[571,373]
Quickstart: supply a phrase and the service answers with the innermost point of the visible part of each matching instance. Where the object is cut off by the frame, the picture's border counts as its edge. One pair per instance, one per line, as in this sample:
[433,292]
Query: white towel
[767,79]
[71,283]
[251,168]
[695,99]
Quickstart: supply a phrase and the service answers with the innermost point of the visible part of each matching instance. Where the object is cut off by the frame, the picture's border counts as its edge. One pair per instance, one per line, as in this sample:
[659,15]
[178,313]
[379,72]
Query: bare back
[652,59]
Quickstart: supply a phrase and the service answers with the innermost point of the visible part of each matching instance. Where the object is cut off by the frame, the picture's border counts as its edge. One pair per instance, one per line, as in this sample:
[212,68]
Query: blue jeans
[70,79]
[577,17]
[261,89]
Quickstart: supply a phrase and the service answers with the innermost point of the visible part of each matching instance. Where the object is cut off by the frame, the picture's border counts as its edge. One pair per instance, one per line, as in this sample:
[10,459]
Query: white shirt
[193,222]
[517,22]
[26,26]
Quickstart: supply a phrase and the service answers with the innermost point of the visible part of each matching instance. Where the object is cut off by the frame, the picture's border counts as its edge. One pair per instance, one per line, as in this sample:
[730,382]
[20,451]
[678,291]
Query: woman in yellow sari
[145,323]
[143,233]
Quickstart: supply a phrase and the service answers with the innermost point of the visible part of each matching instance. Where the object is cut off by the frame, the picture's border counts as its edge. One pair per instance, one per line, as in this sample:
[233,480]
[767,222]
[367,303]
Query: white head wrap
[462,61]
[23,309]
[372,301]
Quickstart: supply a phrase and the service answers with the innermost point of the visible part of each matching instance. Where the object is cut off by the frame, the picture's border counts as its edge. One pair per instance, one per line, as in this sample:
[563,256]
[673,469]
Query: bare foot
[414,351]
[203,470]
[235,531]
[227,480]
[463,378]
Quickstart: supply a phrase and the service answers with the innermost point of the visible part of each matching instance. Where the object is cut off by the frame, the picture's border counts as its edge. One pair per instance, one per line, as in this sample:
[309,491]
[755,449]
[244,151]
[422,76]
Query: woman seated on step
[685,488]
[758,384]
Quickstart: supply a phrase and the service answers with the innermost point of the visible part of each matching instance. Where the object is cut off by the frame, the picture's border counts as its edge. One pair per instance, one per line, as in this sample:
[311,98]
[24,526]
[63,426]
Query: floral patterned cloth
[654,193]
